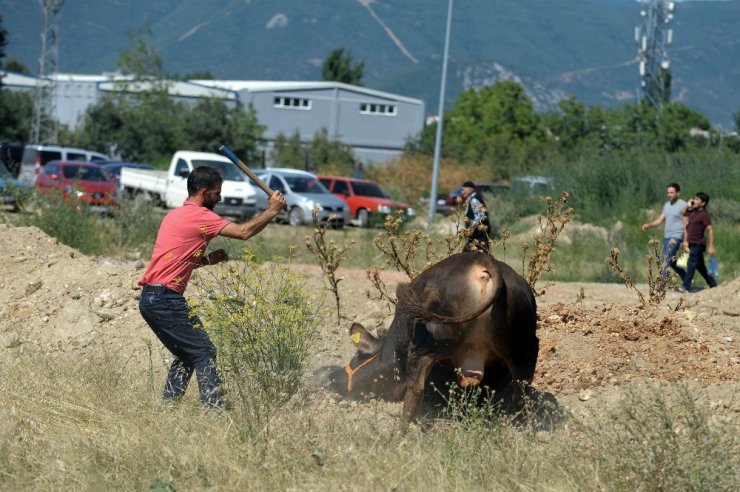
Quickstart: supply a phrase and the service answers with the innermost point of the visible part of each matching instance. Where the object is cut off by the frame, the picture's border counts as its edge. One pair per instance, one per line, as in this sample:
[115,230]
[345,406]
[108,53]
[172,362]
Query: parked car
[303,192]
[367,201]
[35,157]
[11,154]
[113,169]
[170,189]
[7,181]
[85,182]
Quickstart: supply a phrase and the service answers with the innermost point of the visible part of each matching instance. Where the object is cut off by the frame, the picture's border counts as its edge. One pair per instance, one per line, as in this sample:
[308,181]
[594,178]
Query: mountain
[554,47]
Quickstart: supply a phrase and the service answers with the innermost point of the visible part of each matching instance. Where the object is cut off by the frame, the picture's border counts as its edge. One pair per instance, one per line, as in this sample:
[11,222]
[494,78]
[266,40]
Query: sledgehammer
[233,158]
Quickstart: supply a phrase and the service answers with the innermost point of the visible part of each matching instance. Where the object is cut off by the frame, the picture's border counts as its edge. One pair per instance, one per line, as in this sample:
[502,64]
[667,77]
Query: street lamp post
[440,121]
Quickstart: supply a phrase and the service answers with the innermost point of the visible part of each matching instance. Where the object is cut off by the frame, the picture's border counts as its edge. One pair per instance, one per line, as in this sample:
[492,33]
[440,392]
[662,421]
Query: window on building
[378,109]
[292,102]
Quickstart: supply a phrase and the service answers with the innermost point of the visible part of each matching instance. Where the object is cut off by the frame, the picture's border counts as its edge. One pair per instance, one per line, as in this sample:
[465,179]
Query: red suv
[85,182]
[366,199]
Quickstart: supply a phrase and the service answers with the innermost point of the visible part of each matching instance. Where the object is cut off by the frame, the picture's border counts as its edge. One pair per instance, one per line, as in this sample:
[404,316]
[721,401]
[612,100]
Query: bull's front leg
[417,378]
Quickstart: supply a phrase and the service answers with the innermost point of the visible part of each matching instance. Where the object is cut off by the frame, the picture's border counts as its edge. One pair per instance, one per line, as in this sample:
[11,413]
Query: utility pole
[440,121]
[44,128]
[652,39]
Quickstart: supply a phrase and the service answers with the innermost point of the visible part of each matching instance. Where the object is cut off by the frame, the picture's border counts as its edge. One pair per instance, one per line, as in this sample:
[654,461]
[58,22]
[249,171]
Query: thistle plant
[613,261]
[329,257]
[538,261]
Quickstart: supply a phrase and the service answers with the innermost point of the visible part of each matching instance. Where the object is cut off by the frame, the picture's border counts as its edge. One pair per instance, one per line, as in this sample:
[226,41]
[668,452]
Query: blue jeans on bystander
[168,315]
[670,252]
[696,264]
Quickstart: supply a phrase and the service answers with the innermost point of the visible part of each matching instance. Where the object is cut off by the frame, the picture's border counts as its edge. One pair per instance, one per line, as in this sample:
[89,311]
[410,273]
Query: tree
[736,117]
[210,123]
[338,67]
[141,59]
[16,108]
[327,154]
[289,151]
[15,65]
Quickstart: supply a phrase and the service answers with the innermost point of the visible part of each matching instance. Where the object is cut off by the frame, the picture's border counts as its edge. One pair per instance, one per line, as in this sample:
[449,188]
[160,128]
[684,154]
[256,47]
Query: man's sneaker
[682,289]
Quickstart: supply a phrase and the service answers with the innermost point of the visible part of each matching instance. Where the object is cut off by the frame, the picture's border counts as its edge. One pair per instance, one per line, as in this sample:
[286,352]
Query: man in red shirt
[695,241]
[180,248]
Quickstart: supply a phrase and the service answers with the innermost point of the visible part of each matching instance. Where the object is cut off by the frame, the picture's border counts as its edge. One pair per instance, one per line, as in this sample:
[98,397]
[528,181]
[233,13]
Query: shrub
[264,322]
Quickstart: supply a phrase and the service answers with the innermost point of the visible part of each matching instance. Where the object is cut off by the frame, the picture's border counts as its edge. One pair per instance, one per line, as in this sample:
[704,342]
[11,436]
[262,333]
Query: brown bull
[469,314]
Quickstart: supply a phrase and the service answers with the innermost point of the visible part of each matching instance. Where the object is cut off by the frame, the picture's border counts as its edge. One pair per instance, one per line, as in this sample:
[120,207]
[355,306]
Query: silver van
[35,157]
[303,192]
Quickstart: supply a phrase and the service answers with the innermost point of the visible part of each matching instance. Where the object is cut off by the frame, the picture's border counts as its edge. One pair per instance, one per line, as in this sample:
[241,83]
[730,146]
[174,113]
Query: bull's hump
[460,286]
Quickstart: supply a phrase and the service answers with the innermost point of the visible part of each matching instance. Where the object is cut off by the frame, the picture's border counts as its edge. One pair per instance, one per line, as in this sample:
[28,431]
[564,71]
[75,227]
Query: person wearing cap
[479,229]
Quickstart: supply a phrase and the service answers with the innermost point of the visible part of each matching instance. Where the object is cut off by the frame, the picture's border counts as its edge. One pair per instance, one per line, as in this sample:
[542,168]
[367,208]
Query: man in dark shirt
[695,241]
[479,229]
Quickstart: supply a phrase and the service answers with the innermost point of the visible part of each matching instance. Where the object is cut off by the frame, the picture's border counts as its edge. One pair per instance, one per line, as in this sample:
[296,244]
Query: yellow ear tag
[355,338]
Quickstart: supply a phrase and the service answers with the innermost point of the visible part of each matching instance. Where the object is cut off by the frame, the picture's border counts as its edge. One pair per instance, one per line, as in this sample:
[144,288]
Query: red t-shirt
[698,222]
[182,240]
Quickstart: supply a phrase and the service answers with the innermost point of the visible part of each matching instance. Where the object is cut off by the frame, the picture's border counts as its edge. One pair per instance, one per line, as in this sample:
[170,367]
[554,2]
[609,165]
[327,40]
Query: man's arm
[654,223]
[711,249]
[255,225]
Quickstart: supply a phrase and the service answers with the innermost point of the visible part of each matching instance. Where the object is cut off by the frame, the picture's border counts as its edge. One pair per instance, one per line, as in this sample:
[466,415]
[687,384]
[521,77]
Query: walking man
[180,248]
[673,234]
[478,237]
[695,241]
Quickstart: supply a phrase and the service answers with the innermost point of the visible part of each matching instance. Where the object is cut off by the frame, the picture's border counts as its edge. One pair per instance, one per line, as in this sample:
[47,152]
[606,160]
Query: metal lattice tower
[653,38]
[44,128]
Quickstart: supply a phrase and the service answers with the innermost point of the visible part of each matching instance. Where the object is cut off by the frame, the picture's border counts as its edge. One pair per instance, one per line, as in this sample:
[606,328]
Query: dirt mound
[55,299]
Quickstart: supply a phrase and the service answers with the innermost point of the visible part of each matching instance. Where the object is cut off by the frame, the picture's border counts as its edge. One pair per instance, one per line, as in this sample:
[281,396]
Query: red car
[85,182]
[366,199]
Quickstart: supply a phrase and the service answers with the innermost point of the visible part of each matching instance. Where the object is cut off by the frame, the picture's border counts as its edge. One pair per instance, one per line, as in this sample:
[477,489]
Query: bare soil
[54,299]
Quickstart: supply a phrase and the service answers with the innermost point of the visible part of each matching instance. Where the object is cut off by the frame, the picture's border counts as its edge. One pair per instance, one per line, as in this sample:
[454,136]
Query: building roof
[281,85]
[17,79]
[175,88]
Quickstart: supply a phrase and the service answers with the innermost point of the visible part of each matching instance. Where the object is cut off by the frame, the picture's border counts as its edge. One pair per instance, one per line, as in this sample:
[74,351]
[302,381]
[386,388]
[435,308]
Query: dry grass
[98,424]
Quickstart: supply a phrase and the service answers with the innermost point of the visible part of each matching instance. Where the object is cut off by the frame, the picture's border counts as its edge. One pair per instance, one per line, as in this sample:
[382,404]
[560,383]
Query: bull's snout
[470,378]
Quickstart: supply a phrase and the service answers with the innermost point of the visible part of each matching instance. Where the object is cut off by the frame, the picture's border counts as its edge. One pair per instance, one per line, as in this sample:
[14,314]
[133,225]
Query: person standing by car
[179,249]
[673,233]
[478,228]
[695,241]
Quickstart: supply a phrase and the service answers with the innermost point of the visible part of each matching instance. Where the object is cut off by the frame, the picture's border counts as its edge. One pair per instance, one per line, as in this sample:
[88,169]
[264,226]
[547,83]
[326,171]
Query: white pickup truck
[170,187]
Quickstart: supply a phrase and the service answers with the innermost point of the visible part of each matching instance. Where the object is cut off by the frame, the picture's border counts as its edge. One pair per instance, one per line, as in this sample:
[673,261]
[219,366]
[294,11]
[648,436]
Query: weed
[657,440]
[613,261]
[329,256]
[401,247]
[538,261]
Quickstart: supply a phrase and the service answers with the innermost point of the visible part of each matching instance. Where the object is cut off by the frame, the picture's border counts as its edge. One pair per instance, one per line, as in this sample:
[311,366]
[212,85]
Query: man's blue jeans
[696,264]
[168,315]
[670,252]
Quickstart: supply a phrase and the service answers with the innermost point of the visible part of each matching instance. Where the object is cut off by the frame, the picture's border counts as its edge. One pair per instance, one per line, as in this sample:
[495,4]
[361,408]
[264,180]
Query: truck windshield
[367,189]
[304,184]
[228,170]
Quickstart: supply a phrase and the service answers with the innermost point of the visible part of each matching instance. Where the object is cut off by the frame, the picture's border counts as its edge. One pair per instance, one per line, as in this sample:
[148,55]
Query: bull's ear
[363,340]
